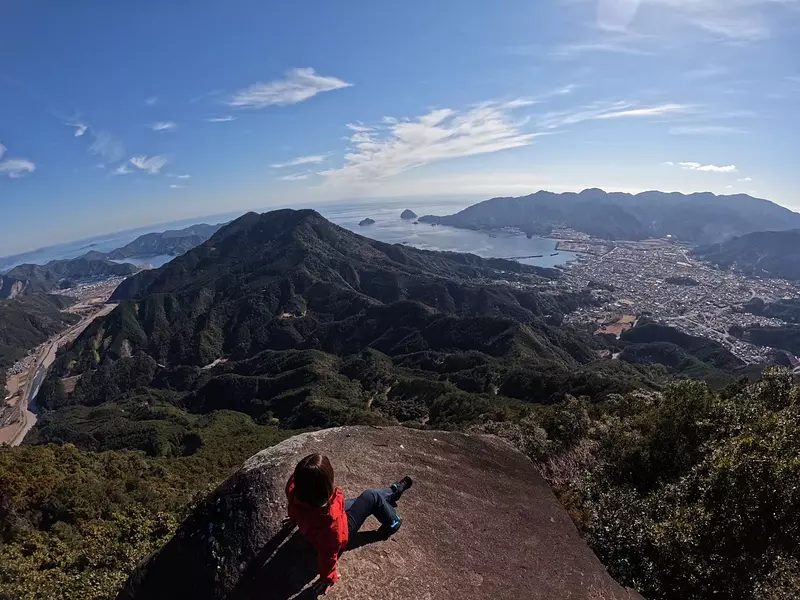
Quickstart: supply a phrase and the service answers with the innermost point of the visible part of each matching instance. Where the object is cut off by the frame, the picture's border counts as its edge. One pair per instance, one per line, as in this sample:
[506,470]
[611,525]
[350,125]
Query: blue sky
[116,115]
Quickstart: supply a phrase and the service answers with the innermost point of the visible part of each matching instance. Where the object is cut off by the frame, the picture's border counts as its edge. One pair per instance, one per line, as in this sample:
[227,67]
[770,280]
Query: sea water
[388,227]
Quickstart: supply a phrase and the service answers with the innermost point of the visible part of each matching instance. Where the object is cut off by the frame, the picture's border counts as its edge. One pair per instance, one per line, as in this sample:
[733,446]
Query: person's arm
[327,559]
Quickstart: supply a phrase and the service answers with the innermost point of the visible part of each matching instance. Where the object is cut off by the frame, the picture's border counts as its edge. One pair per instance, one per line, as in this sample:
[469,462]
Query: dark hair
[313,480]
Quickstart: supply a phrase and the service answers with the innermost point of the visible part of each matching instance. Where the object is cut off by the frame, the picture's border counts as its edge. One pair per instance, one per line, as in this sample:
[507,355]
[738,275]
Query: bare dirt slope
[479,522]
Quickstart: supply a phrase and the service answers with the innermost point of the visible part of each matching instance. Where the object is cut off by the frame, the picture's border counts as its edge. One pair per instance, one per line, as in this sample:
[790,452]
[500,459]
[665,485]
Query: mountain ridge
[31,278]
[171,242]
[701,217]
[770,253]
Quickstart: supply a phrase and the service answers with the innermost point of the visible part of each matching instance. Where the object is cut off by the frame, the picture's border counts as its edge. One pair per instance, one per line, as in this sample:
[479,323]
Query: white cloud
[80,128]
[745,179]
[184,176]
[294,177]
[400,145]
[151,101]
[163,126]
[298,85]
[15,168]
[300,160]
[601,111]
[123,169]
[106,146]
[151,164]
[695,166]
[175,186]
[223,119]
[705,130]
[729,187]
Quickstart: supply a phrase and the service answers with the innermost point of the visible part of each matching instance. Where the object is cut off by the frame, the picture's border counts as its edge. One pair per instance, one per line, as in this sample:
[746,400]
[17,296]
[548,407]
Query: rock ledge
[480,522]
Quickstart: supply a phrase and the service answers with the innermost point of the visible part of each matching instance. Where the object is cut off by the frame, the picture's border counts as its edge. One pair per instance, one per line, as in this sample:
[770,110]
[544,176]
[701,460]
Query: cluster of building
[662,279]
[98,291]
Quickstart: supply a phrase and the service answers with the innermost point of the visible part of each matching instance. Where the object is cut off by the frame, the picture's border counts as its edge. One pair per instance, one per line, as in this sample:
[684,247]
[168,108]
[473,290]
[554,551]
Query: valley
[19,413]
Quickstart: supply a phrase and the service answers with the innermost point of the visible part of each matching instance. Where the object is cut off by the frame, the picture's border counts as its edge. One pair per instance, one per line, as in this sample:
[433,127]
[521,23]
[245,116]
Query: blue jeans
[377,503]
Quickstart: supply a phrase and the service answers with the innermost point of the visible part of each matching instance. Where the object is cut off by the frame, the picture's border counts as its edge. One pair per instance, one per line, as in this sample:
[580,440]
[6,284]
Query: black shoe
[400,487]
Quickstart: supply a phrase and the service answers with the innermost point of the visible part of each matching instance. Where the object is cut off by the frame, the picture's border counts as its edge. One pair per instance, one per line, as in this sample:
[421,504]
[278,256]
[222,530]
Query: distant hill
[700,218]
[169,243]
[768,253]
[27,322]
[30,279]
[322,326]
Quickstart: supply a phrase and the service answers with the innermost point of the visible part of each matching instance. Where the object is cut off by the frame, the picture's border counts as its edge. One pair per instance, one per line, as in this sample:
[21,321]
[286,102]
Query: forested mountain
[27,322]
[700,218]
[320,326]
[29,278]
[286,321]
[765,253]
[170,242]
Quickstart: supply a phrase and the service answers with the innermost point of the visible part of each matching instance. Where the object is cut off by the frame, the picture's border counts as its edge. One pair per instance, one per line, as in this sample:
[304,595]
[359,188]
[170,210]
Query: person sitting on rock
[327,521]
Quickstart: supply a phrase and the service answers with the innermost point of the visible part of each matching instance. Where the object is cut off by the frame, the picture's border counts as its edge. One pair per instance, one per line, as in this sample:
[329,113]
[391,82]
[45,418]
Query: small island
[366,222]
[408,214]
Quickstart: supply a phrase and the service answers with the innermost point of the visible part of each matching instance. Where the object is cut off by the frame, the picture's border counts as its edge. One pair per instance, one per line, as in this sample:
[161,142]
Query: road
[44,359]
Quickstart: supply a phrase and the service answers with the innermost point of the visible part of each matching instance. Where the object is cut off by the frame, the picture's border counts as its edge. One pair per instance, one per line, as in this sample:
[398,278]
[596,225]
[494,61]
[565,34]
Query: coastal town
[663,280]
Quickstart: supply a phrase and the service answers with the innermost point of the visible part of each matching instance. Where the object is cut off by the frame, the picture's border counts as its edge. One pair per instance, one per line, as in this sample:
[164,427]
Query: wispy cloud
[294,177]
[695,166]
[734,20]
[123,169]
[175,186]
[704,73]
[705,130]
[300,160]
[743,179]
[151,101]
[398,145]
[149,164]
[106,146]
[573,50]
[297,85]
[163,126]
[223,119]
[184,176]
[601,111]
[15,168]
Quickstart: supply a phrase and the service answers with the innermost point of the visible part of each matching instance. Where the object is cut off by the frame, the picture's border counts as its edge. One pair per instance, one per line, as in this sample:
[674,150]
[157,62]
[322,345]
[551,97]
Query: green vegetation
[74,524]
[682,494]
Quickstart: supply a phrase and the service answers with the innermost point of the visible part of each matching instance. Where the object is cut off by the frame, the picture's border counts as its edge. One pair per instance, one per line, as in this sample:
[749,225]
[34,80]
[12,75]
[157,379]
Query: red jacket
[324,527]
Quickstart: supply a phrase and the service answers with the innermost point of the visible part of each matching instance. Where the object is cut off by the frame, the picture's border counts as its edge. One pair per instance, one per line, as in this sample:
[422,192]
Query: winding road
[44,359]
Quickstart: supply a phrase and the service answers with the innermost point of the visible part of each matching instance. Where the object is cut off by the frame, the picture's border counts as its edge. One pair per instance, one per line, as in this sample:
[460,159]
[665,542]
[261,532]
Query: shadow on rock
[286,565]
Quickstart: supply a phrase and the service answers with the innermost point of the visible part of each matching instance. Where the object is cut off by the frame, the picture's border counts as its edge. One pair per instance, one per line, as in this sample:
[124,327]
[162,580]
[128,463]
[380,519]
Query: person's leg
[370,502]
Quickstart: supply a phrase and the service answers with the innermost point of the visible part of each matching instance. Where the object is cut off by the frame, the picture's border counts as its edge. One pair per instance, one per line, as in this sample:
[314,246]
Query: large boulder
[479,522]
